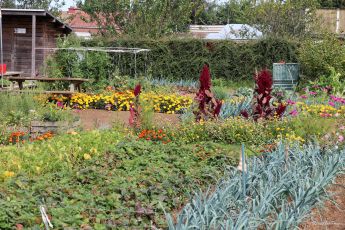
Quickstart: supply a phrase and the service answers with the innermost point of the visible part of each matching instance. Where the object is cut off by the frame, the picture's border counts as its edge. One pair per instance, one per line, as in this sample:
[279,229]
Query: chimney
[73,10]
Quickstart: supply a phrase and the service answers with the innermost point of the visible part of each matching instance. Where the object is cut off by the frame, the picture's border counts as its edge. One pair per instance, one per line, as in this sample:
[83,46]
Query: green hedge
[183,58]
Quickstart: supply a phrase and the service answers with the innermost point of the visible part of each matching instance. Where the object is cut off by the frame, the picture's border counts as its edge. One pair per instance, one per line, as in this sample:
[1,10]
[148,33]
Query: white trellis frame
[119,50]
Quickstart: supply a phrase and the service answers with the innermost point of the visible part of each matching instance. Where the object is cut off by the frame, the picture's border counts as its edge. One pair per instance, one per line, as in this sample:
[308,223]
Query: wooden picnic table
[11,74]
[75,83]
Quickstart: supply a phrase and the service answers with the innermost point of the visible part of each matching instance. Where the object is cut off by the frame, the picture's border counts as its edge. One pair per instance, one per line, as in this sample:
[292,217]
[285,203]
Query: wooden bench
[75,83]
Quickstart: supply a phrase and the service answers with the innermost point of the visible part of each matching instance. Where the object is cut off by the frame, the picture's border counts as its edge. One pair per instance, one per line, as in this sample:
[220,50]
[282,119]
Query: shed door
[22,49]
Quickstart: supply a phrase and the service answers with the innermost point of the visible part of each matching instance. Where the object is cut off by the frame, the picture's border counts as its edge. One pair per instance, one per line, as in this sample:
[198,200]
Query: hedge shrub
[183,58]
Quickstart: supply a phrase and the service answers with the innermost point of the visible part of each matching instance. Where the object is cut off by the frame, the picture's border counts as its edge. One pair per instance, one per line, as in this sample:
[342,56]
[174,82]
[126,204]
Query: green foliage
[318,56]
[19,109]
[149,18]
[177,59]
[105,187]
[291,18]
[53,6]
[332,3]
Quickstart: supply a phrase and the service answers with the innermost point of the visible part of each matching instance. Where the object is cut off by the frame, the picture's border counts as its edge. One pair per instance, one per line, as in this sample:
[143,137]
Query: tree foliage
[53,6]
[292,18]
[332,3]
[149,18]
[8,4]
[212,13]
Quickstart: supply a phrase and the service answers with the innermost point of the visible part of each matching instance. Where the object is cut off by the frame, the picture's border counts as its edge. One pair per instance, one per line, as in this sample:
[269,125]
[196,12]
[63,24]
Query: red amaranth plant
[262,108]
[209,107]
[134,117]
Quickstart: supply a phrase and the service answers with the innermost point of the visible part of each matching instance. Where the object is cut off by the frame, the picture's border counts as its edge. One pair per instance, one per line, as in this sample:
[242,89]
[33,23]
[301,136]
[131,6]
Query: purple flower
[108,106]
[331,103]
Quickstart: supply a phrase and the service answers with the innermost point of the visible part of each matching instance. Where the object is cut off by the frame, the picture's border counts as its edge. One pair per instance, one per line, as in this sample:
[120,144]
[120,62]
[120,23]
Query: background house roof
[80,21]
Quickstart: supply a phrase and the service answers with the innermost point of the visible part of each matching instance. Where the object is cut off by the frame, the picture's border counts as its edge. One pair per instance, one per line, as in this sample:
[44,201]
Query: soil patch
[102,119]
[331,215]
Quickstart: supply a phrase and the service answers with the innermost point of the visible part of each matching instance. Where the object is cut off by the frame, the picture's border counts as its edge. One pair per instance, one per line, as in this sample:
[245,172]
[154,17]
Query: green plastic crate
[285,75]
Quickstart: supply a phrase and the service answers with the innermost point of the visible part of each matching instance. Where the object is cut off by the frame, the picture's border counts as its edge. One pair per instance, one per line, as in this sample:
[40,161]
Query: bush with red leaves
[262,107]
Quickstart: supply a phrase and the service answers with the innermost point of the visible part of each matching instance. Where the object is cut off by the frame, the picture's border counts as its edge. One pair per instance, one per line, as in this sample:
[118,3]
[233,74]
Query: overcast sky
[68,4]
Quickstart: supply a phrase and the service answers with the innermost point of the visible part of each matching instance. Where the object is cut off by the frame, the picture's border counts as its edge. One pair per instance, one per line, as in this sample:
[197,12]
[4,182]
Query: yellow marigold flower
[87,156]
[8,174]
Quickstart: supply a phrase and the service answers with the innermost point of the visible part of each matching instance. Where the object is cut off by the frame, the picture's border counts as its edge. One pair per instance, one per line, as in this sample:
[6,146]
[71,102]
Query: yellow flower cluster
[322,110]
[121,101]
[291,137]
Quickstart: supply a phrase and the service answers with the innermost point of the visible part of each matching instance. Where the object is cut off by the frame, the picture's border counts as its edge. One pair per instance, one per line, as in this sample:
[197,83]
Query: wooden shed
[26,32]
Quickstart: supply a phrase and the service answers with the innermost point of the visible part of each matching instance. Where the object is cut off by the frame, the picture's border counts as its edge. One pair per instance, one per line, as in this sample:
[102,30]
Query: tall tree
[8,4]
[332,3]
[52,5]
[293,18]
[144,18]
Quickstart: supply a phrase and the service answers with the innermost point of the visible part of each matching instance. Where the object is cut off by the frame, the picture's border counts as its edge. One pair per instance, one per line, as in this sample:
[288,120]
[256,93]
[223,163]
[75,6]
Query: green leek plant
[281,189]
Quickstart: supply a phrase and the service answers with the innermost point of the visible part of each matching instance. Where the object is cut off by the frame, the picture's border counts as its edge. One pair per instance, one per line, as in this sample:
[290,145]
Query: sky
[68,4]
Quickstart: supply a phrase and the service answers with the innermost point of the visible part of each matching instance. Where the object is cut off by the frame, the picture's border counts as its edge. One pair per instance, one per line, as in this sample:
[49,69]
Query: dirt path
[102,119]
[331,216]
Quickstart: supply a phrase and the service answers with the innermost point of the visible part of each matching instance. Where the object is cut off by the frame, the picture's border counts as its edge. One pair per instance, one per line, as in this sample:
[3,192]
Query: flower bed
[121,101]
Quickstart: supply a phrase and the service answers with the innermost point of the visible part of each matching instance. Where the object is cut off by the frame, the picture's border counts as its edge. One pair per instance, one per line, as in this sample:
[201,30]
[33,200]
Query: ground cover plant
[103,179]
[126,176]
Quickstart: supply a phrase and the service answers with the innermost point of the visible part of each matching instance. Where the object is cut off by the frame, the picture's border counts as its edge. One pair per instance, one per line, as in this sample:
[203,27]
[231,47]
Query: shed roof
[37,12]
[236,32]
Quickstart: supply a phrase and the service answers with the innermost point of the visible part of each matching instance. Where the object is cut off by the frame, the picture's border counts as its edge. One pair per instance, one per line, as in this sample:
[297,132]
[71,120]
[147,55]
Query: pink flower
[331,103]
[294,113]
[290,102]
[304,96]
[340,138]
[312,93]
[342,127]
[59,104]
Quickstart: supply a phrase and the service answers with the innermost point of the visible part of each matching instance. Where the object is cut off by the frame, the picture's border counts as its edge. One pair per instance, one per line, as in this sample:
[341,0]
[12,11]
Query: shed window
[20,30]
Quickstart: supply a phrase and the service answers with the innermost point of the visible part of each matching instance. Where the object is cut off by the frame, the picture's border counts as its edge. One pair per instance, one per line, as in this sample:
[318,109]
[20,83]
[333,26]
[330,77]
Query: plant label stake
[243,171]
[45,218]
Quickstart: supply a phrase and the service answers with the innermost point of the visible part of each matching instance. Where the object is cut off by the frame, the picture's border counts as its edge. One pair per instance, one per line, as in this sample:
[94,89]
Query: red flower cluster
[44,136]
[153,135]
[17,137]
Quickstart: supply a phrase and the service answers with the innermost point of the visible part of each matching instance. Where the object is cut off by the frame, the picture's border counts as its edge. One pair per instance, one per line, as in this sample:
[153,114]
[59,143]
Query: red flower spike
[205,79]
[264,82]
[218,108]
[280,110]
[137,90]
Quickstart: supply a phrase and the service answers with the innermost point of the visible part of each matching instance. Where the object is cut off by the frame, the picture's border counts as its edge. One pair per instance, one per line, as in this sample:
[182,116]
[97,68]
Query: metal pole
[1,47]
[135,65]
[243,172]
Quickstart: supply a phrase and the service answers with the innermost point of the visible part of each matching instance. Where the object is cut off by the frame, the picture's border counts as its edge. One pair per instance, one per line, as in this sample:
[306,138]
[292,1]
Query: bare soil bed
[102,119]
[331,215]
